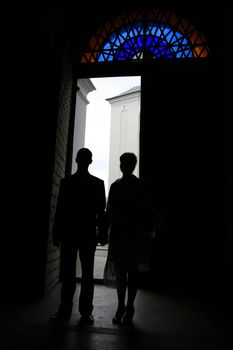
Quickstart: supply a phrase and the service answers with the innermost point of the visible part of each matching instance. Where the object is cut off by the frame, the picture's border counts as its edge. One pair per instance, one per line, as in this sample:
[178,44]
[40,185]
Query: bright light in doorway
[97,136]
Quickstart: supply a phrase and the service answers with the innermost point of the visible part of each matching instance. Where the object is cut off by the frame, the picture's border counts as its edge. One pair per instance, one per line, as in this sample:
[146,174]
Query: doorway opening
[109,122]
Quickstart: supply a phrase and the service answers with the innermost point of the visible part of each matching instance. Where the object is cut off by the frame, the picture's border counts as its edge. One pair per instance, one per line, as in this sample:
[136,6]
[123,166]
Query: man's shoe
[87,319]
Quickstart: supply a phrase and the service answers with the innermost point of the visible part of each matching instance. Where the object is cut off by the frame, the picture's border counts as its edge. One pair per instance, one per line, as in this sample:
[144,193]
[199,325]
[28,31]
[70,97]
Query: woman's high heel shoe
[117,319]
[128,317]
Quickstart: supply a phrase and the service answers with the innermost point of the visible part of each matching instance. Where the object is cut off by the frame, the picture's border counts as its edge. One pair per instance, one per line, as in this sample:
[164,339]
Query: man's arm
[102,233]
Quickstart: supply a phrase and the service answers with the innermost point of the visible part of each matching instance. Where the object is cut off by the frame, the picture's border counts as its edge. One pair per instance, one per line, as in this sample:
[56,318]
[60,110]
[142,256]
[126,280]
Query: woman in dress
[129,220]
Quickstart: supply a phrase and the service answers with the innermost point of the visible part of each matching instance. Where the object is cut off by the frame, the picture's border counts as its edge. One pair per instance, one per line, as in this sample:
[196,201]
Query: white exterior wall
[124,133]
[84,87]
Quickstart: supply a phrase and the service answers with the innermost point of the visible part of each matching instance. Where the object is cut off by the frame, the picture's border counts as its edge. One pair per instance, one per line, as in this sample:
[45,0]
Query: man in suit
[78,227]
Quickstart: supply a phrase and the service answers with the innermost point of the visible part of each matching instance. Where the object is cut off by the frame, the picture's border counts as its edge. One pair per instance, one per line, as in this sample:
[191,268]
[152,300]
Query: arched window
[142,36]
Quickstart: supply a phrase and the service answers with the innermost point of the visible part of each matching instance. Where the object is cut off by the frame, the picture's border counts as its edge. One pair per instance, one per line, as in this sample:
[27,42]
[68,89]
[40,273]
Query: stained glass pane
[139,37]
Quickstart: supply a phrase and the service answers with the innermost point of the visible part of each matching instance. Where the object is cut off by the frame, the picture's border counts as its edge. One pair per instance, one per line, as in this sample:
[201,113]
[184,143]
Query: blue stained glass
[101,58]
[119,41]
[184,41]
[170,36]
[139,41]
[134,32]
[146,36]
[124,34]
[154,30]
[110,58]
[132,41]
[131,34]
[178,35]
[149,40]
[188,53]
[173,40]
[107,46]
[132,47]
[175,48]
[112,37]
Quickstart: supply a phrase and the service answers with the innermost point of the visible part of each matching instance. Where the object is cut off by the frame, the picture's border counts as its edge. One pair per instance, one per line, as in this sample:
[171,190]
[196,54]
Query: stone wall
[64,113]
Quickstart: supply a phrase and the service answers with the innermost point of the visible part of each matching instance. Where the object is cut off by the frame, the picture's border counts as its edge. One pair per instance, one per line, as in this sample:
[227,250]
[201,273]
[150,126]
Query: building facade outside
[124,129]
[85,86]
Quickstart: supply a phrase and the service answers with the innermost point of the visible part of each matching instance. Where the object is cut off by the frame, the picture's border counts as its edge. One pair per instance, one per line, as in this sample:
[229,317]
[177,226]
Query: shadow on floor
[161,322]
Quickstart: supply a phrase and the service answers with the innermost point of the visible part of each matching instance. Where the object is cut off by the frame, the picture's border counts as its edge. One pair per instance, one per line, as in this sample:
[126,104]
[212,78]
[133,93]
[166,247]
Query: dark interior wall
[228,73]
[183,159]
[186,157]
[30,78]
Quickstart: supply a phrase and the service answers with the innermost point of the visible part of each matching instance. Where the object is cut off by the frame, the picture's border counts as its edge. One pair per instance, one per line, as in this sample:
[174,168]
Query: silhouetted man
[78,226]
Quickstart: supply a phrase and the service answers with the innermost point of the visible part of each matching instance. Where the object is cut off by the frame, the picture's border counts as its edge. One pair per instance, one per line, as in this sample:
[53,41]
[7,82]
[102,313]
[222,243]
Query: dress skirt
[126,248]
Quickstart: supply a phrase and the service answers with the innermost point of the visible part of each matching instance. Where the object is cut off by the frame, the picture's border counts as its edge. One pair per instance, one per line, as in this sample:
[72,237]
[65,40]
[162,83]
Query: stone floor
[162,322]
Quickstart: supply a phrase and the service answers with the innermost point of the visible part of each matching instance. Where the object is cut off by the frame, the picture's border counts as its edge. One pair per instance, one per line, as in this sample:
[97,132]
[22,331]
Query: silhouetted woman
[128,210]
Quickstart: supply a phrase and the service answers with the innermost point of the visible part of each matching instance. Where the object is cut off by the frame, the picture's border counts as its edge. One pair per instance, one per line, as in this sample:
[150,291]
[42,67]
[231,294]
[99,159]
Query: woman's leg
[121,281]
[132,292]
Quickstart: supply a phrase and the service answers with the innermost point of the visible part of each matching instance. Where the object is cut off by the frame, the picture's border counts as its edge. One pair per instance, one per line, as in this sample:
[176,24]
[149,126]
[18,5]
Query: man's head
[128,161]
[84,158]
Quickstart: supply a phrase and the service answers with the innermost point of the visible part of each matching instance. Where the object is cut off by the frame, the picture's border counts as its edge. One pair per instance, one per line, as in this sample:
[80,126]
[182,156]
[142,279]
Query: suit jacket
[80,211]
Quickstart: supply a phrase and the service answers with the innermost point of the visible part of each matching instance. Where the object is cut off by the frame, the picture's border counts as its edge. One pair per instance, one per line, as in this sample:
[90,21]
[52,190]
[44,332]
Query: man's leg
[68,282]
[87,257]
[68,276]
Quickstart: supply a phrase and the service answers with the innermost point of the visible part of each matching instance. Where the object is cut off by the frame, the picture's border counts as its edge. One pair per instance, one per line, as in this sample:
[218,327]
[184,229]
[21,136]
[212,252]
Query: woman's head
[128,161]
